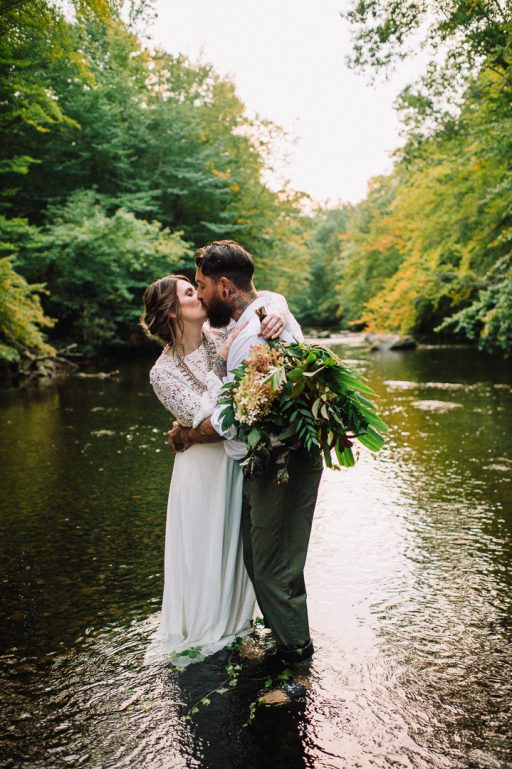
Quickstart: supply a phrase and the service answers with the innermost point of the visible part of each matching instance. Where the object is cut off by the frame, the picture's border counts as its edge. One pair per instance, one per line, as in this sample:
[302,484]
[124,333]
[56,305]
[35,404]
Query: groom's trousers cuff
[298,654]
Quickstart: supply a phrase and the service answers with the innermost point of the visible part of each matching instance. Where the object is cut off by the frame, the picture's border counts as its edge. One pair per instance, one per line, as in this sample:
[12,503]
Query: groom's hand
[181,438]
[271,326]
[178,437]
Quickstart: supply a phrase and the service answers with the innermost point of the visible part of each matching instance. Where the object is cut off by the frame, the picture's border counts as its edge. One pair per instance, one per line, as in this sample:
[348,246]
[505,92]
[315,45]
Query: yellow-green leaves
[22,319]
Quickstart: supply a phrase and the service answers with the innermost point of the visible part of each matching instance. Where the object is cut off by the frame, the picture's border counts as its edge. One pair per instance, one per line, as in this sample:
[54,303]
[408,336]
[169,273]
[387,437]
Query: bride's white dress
[208,598]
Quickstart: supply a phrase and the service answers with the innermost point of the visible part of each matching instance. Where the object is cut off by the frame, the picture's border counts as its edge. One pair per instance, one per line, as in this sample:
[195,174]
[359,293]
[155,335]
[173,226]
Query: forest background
[117,160]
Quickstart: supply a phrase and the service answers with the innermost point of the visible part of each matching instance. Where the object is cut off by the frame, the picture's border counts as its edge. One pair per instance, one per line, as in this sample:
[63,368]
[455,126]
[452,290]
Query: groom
[276,520]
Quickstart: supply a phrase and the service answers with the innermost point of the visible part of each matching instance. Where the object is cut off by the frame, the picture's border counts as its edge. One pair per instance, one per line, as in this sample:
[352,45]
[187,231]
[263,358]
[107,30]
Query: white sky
[287,61]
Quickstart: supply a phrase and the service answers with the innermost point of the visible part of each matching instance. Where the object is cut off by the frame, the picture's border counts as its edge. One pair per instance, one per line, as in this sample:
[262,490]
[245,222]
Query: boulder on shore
[391,342]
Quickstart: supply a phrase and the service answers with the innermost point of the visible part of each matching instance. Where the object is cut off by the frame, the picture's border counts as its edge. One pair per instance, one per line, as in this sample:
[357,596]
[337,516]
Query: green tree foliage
[35,42]
[96,266]
[429,249]
[33,37]
[426,241]
[159,136]
[22,320]
[488,319]
[461,36]
[468,31]
[21,315]
[367,234]
[320,302]
[120,159]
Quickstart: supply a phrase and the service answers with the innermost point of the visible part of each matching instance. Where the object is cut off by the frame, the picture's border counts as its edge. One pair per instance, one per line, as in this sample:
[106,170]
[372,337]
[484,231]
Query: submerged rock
[99,374]
[436,405]
[399,384]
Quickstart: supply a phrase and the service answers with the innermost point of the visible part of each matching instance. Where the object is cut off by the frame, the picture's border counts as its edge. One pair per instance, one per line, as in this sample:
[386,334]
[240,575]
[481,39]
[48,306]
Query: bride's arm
[174,395]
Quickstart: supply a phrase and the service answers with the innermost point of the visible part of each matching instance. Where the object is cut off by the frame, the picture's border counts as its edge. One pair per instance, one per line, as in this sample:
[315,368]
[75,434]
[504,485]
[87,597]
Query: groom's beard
[219,313]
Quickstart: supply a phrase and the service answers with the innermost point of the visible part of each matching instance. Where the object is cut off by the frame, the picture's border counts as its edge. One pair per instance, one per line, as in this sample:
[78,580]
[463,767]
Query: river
[409,583]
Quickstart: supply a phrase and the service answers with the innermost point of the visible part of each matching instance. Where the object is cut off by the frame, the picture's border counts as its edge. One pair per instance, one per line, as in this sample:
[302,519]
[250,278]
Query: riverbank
[41,371]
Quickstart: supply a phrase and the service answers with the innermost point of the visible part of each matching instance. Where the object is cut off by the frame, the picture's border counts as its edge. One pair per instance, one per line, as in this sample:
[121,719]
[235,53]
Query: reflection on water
[409,577]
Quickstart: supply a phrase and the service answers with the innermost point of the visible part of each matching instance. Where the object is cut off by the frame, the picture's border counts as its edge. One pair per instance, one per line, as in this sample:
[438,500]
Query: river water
[409,582]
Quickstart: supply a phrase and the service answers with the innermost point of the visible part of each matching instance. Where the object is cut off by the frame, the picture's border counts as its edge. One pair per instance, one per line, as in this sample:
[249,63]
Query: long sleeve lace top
[188,388]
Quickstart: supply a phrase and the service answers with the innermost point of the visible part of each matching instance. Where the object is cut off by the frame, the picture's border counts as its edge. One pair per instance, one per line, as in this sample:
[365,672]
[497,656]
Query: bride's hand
[272,326]
[226,346]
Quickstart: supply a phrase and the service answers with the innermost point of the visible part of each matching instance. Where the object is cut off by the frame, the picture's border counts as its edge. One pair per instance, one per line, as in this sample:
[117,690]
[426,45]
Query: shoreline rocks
[391,342]
[395,342]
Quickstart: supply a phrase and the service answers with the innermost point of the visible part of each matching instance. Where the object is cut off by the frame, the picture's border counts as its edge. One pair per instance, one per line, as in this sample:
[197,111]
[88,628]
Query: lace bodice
[178,392]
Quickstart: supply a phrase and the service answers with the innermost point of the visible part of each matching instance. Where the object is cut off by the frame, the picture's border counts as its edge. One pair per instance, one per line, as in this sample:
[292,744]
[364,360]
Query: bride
[208,599]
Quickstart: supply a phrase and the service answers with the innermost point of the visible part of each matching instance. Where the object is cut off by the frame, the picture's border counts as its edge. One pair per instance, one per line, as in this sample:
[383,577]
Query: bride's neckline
[169,353]
[182,364]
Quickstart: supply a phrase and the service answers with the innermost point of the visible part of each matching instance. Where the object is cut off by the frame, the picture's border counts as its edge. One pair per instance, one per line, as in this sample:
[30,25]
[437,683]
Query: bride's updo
[161,299]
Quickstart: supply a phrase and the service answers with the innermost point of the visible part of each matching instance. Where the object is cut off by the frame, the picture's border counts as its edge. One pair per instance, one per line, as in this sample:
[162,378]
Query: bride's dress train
[208,599]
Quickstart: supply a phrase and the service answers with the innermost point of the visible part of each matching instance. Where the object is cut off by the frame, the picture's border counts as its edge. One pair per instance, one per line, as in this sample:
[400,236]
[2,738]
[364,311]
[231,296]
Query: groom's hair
[226,258]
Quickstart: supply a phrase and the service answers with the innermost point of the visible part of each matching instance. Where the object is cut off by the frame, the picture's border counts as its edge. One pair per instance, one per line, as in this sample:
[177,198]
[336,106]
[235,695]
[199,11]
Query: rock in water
[390,342]
[404,343]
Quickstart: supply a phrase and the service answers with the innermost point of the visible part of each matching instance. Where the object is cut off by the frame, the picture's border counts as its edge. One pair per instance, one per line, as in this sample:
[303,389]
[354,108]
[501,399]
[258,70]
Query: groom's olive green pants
[276,524]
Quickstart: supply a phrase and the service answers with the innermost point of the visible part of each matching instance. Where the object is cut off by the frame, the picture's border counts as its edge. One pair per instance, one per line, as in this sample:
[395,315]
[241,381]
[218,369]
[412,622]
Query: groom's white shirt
[238,352]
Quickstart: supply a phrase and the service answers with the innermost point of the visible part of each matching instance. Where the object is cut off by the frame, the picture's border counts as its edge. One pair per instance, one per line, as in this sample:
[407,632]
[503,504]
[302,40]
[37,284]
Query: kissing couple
[230,541]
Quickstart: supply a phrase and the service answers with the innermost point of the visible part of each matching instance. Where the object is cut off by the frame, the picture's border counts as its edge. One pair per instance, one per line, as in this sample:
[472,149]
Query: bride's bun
[161,318]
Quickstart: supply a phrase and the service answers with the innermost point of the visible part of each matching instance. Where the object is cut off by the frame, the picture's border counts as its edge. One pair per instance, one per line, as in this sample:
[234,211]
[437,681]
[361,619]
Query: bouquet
[302,396]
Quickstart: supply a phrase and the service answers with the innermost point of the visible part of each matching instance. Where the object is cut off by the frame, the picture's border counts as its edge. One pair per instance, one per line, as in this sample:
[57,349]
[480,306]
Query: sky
[287,59]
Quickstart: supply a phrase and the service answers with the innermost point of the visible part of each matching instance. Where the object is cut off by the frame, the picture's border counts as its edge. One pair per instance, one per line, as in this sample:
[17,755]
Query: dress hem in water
[166,649]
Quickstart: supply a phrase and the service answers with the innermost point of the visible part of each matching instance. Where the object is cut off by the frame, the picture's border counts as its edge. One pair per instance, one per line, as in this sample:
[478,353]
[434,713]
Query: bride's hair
[160,299]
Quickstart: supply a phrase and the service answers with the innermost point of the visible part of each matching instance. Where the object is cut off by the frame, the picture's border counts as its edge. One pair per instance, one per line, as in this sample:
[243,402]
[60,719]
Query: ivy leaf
[285,675]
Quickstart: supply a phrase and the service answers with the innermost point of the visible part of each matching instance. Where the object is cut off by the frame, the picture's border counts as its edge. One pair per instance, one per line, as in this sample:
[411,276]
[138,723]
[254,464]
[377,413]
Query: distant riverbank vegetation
[118,159]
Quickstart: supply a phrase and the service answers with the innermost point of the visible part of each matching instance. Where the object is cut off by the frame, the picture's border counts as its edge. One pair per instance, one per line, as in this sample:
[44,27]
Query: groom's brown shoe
[295,659]
[296,655]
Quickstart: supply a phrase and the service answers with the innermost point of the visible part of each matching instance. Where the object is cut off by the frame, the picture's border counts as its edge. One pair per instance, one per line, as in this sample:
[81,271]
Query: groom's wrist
[191,435]
[203,433]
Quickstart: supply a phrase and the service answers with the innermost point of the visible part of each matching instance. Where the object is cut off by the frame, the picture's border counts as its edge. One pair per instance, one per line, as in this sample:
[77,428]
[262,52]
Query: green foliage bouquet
[303,396]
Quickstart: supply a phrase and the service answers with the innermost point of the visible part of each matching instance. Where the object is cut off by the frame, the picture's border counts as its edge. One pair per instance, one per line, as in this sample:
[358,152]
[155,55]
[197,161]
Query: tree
[320,301]
[96,266]
[133,154]
[488,319]
[22,319]
[463,37]
[384,27]
[429,248]
[35,39]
